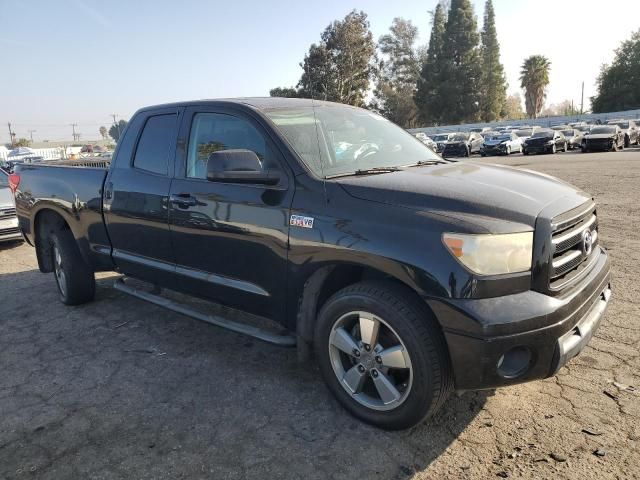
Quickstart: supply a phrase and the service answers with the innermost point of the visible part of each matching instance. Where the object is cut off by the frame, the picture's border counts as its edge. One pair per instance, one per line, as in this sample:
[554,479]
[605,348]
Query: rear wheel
[382,355]
[74,278]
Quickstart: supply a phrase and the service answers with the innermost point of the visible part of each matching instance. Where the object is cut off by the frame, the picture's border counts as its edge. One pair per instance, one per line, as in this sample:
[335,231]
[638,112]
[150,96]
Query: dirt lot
[122,389]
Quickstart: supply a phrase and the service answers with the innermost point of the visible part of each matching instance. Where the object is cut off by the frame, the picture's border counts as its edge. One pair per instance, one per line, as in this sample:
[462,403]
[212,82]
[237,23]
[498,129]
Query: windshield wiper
[366,171]
[421,163]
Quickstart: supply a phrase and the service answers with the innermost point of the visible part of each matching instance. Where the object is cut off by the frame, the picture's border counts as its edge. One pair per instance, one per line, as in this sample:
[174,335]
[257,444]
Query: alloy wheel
[370,360]
[58,268]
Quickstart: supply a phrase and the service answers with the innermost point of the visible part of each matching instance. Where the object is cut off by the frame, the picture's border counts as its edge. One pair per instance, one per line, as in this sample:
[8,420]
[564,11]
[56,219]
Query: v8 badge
[300,221]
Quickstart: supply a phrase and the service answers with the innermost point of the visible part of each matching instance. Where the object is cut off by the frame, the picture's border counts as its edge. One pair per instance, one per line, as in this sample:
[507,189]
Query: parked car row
[526,139]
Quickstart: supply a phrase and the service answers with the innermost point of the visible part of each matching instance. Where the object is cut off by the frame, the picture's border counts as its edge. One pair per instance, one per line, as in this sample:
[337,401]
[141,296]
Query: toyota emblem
[587,242]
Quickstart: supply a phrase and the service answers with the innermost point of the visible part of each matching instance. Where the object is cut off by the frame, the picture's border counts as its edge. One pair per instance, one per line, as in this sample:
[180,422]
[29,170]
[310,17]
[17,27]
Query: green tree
[288,92]
[618,83]
[427,95]
[117,129]
[461,73]
[534,79]
[103,132]
[398,73]
[513,107]
[22,142]
[341,66]
[494,84]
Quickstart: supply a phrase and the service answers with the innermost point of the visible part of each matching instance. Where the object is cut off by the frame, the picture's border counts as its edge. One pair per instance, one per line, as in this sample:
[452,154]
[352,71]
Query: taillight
[14,181]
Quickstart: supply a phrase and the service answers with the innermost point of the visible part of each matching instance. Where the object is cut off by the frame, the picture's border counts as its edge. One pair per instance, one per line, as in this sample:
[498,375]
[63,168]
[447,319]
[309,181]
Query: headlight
[492,254]
[550,142]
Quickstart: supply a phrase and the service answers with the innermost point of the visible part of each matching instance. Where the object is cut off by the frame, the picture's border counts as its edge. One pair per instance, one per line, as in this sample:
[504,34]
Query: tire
[553,148]
[627,142]
[508,150]
[74,278]
[524,152]
[566,148]
[468,152]
[584,149]
[420,389]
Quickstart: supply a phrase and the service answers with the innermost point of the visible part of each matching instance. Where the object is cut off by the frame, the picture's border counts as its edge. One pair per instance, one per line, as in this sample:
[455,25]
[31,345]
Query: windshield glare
[597,130]
[339,139]
[543,133]
[440,138]
[524,132]
[460,137]
[623,124]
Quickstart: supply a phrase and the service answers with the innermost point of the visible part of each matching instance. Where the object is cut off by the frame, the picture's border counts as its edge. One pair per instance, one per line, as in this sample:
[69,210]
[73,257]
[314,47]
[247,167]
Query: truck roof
[259,103]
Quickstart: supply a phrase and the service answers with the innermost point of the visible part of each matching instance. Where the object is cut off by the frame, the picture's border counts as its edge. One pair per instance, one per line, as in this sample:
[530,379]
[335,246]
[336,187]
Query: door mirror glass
[238,166]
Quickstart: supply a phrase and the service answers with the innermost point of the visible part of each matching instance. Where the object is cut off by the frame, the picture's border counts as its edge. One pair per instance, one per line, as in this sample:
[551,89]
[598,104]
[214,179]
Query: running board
[261,334]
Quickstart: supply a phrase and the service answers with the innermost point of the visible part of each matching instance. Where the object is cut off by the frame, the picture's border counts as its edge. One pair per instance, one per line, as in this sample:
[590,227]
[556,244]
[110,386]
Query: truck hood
[6,198]
[483,195]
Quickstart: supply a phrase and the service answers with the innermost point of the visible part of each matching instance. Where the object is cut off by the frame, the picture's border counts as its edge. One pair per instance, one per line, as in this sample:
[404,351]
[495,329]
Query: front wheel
[553,148]
[508,150]
[74,278]
[383,355]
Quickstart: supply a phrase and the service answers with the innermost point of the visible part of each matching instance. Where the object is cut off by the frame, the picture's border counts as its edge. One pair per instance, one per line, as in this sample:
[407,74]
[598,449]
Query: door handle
[183,200]
[108,191]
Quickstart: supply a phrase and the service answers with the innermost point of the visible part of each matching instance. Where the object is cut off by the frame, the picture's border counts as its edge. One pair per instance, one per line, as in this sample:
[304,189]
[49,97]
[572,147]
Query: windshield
[4,179]
[460,137]
[623,124]
[526,132]
[339,139]
[568,133]
[441,138]
[597,130]
[543,133]
[501,138]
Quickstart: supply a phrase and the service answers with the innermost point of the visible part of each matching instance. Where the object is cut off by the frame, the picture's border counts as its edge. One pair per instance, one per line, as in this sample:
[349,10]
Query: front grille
[7,212]
[9,231]
[572,233]
[600,143]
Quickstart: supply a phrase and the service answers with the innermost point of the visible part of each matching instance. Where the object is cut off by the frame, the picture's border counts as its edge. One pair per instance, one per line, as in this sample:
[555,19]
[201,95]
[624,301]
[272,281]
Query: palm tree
[534,78]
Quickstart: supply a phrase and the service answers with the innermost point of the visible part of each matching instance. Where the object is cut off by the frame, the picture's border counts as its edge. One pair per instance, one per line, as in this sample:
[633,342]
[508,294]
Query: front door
[230,240]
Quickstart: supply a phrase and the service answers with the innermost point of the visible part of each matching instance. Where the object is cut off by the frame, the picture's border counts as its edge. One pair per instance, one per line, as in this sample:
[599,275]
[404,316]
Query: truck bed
[74,193]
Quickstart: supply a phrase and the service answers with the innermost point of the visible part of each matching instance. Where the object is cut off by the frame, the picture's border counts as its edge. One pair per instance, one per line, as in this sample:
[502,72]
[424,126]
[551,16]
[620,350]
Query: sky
[79,61]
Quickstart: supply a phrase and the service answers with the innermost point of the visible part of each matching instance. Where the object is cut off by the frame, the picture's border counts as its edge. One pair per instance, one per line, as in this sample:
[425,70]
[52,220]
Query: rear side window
[153,152]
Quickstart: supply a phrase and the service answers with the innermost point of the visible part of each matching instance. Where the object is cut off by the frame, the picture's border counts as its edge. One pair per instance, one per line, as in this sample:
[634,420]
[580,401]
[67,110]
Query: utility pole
[31,132]
[582,100]
[73,126]
[12,136]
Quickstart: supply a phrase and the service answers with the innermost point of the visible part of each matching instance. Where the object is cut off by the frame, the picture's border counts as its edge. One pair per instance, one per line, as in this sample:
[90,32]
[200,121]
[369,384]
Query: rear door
[230,240]
[136,197]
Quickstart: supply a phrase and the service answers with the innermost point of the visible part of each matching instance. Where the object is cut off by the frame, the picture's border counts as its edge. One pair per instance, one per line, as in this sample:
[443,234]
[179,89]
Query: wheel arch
[328,279]
[46,221]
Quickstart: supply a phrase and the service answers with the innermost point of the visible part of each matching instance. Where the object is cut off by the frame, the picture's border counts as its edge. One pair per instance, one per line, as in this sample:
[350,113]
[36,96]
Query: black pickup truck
[407,275]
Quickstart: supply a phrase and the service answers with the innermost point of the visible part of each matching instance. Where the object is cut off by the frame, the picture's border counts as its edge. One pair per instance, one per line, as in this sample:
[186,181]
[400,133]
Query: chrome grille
[570,250]
[7,212]
[9,231]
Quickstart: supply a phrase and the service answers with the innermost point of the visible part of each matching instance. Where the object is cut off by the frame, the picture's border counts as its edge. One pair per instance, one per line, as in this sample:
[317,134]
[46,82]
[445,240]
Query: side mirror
[238,166]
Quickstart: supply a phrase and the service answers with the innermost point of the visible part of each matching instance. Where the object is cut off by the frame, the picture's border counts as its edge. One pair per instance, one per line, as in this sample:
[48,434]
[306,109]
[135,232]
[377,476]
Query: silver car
[9,230]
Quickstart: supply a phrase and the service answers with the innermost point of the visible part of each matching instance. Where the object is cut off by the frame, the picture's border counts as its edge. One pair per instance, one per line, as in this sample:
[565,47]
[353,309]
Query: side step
[261,334]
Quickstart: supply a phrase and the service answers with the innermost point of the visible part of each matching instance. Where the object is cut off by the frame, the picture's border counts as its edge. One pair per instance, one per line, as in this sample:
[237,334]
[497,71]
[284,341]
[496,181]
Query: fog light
[514,362]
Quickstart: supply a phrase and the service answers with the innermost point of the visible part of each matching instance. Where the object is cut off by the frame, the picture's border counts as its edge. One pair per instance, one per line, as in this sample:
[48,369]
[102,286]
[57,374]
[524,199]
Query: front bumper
[480,333]
[493,150]
[9,230]
[538,148]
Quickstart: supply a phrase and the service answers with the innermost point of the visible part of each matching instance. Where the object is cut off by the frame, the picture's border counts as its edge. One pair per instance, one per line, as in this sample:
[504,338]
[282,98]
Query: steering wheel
[366,150]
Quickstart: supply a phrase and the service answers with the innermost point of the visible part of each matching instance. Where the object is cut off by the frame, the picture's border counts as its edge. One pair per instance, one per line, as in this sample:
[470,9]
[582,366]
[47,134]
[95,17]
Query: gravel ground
[122,389]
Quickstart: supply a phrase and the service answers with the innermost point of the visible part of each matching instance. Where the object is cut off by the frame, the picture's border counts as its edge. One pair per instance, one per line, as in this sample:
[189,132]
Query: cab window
[212,132]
